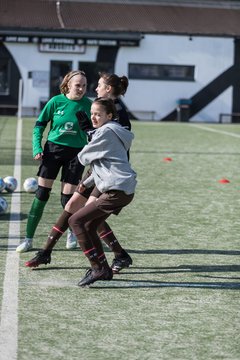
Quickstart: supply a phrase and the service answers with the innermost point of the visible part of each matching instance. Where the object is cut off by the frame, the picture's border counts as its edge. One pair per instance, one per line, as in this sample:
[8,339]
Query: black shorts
[56,157]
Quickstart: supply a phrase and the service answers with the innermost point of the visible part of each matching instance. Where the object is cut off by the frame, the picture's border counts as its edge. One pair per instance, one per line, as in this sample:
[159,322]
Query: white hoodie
[106,153]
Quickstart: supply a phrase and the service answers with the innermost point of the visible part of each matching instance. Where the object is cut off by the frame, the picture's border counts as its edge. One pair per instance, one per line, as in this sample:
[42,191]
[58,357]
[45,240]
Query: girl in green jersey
[64,141]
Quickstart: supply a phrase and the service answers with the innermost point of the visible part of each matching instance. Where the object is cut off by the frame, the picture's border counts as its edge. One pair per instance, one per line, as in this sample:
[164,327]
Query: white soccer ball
[30,185]
[10,183]
[3,205]
[2,184]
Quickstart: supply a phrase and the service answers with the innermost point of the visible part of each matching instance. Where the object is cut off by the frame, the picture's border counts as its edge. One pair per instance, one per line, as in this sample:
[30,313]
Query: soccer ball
[2,184]
[30,185]
[3,205]
[10,183]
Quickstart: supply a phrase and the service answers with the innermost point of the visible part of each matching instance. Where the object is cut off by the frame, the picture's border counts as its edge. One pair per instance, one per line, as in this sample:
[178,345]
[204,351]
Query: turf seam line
[9,310]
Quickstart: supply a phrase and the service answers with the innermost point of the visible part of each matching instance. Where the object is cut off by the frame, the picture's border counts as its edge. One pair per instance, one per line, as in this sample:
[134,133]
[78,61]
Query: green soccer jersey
[64,128]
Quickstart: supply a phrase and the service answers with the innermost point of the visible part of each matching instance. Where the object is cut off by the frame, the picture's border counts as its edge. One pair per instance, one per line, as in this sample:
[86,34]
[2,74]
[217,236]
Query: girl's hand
[81,188]
[38,156]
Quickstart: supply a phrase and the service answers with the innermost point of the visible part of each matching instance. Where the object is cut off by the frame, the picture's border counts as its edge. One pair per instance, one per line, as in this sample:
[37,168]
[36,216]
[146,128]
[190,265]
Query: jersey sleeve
[40,125]
[89,181]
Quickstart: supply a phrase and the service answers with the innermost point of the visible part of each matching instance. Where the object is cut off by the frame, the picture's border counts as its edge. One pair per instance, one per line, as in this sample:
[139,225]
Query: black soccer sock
[103,260]
[89,249]
[106,234]
[91,254]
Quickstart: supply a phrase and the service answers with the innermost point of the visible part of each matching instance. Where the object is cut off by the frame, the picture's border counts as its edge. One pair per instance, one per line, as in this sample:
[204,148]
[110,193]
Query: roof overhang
[70,37]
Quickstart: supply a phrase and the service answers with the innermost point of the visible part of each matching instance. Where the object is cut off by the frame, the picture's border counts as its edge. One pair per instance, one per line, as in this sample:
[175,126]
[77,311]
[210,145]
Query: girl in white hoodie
[114,180]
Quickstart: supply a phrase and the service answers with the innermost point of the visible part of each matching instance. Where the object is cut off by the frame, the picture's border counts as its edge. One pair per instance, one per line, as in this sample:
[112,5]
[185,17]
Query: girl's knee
[76,225]
[75,203]
[71,221]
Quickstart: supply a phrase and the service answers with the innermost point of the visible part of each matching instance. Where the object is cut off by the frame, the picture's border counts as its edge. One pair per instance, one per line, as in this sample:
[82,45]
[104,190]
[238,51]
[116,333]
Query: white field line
[9,311]
[202,127]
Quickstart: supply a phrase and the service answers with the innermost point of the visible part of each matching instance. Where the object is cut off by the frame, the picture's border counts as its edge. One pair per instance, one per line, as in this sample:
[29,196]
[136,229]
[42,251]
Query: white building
[182,58]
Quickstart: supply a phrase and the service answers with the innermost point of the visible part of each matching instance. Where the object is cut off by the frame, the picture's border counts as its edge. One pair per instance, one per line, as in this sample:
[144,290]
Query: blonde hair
[64,84]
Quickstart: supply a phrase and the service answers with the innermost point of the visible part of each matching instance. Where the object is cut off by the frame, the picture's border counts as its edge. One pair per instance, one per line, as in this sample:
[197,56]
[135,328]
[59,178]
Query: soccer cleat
[93,275]
[71,240]
[121,262]
[42,257]
[25,246]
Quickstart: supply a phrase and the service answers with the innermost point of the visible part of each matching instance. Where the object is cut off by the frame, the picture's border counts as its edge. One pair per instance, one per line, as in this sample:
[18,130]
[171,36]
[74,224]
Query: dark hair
[118,83]
[108,105]
[67,78]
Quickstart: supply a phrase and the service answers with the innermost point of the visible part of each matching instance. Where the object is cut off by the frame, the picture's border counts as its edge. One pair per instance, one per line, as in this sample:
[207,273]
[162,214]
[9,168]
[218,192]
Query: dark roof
[155,18]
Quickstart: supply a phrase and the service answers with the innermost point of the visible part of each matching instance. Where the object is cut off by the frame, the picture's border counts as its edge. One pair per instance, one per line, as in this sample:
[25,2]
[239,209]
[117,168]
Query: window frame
[165,72]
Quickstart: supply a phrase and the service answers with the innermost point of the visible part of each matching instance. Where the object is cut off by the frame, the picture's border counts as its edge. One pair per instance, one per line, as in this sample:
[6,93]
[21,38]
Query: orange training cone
[224,181]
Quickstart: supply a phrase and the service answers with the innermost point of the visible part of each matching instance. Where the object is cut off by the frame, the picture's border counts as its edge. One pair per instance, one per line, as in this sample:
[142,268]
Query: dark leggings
[84,224]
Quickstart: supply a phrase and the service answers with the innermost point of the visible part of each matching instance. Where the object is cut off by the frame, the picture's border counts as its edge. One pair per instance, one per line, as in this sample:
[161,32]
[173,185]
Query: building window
[92,70]
[161,72]
[58,69]
[4,76]
[105,62]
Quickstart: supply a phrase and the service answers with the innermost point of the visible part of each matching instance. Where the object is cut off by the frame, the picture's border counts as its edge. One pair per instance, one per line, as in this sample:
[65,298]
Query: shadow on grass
[120,283]
[150,251]
[48,268]
[187,269]
[33,250]
[180,269]
[220,277]
[190,269]
[185,251]
[14,217]
[161,270]
[13,247]
[163,284]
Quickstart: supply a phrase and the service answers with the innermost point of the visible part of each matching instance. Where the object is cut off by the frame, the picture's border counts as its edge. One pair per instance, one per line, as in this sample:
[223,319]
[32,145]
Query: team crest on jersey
[68,126]
[68,129]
